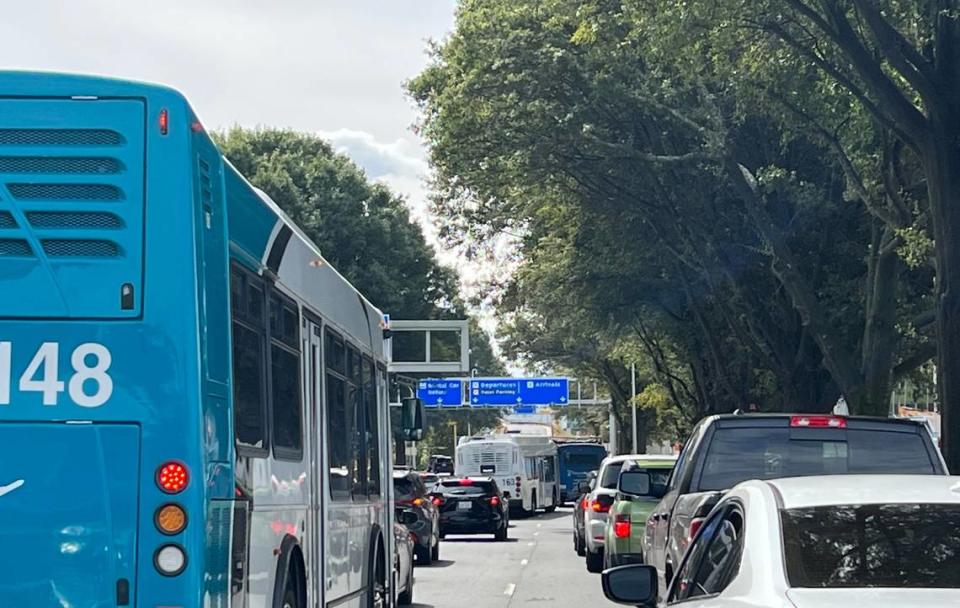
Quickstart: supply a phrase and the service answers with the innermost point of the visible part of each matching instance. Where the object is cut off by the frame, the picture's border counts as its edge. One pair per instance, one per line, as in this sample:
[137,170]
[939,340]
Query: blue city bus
[576,460]
[193,403]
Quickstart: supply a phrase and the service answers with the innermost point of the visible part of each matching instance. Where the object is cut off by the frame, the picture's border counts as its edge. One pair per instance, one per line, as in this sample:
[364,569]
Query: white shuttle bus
[524,466]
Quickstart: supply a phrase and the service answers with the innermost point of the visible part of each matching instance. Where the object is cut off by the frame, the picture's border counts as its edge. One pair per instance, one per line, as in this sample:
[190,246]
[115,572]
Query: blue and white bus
[193,403]
[576,460]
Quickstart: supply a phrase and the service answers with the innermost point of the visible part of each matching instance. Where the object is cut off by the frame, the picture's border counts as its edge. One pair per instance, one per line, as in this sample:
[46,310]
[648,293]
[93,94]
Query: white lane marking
[536,534]
[538,525]
[531,544]
[10,487]
[524,562]
[510,589]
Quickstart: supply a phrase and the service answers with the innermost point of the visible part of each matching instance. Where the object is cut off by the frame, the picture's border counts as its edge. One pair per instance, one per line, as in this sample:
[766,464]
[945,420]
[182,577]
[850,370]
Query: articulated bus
[193,403]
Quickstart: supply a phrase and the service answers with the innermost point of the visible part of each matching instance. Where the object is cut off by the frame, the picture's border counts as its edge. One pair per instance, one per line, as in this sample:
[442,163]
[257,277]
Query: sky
[331,67]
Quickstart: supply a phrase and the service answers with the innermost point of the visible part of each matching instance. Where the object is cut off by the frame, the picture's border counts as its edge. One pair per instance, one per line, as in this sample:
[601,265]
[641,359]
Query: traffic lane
[537,564]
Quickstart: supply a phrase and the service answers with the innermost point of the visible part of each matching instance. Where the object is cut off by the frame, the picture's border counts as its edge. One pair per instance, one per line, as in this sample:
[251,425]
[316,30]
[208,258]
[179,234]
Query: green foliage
[688,193]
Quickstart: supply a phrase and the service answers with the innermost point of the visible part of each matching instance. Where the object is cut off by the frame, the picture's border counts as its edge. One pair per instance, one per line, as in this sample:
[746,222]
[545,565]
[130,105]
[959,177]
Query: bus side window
[355,415]
[338,431]
[249,369]
[371,427]
[287,415]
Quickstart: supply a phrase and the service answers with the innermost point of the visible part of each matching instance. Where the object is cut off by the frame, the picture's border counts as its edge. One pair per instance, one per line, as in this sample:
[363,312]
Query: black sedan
[471,505]
[583,488]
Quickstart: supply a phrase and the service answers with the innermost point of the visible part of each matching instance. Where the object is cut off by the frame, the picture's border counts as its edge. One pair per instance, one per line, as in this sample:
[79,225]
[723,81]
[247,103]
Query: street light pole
[633,404]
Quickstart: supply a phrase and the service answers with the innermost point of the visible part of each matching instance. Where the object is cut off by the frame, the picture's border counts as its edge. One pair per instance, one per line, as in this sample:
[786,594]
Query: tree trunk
[880,333]
[942,168]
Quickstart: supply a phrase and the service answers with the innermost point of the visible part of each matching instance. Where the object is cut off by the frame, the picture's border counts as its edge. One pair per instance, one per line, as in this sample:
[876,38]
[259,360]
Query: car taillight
[599,507]
[819,422]
[437,501]
[466,482]
[695,524]
[621,526]
[495,501]
[584,503]
[172,477]
[417,502]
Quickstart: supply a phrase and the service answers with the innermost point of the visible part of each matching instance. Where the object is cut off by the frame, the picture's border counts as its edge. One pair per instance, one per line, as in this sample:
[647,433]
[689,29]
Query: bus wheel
[290,596]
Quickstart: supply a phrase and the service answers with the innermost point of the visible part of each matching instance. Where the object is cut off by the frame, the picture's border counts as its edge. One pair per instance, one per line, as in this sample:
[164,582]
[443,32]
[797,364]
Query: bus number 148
[90,363]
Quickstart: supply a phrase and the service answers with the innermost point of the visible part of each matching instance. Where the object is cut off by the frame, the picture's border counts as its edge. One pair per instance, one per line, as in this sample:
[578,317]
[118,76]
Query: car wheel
[406,598]
[581,546]
[435,552]
[501,534]
[594,562]
[424,556]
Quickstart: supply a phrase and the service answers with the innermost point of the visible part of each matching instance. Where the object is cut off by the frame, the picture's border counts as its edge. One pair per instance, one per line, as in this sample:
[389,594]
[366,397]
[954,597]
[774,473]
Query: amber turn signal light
[171,519]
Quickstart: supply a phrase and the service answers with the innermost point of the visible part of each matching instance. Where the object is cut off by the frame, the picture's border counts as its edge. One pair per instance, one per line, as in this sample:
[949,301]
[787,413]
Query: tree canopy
[691,193]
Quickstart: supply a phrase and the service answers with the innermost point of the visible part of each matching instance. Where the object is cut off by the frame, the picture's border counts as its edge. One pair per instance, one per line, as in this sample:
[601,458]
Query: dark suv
[440,464]
[411,493]
[472,505]
[724,450]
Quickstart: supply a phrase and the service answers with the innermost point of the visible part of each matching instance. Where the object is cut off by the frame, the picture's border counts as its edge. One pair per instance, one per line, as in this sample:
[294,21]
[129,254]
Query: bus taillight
[172,477]
[164,122]
[171,519]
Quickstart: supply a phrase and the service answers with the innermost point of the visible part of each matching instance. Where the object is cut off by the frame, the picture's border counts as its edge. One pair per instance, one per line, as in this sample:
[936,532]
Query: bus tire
[290,589]
[377,582]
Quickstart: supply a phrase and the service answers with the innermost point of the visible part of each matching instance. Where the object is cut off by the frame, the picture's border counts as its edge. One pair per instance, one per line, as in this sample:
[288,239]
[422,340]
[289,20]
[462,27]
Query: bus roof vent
[72,207]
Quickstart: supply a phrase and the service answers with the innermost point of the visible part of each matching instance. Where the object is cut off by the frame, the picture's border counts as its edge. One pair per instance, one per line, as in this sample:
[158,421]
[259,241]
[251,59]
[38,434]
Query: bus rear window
[586,461]
[738,454]
[899,545]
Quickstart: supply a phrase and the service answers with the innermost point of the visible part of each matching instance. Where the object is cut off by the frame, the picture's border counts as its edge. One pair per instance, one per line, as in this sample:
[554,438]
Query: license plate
[464,506]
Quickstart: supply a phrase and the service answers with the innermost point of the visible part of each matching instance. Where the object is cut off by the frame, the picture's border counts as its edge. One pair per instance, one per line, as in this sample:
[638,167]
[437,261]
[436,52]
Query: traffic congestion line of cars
[846,498]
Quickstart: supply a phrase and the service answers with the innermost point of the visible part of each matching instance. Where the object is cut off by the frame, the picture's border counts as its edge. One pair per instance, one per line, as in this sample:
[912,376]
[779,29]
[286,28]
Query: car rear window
[737,454]
[611,475]
[477,488]
[902,545]
[403,487]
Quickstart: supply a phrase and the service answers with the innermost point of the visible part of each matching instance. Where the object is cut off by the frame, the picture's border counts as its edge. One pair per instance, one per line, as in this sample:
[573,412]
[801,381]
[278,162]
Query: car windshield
[741,453]
[611,475]
[902,545]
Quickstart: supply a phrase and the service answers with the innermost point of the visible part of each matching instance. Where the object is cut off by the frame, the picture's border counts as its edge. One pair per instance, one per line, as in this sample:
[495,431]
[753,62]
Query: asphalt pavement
[536,567]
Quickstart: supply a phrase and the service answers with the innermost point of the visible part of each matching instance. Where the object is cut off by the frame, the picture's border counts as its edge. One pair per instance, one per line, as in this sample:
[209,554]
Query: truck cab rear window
[739,454]
[898,545]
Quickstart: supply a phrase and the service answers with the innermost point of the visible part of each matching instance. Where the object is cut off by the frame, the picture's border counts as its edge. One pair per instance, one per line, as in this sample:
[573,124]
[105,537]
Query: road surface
[537,567]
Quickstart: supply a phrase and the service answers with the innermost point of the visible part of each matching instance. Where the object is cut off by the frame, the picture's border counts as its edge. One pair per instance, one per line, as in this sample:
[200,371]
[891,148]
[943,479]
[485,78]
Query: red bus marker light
[172,477]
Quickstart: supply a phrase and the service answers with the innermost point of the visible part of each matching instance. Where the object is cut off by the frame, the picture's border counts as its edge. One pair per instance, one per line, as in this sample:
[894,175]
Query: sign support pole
[633,405]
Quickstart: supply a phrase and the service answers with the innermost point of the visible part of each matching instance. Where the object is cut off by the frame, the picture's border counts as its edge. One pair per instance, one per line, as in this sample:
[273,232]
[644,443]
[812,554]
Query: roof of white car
[801,492]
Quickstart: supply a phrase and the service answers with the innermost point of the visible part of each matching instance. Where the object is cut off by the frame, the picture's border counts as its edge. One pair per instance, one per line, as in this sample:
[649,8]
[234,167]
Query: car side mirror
[583,487]
[634,584]
[412,419]
[406,517]
[634,483]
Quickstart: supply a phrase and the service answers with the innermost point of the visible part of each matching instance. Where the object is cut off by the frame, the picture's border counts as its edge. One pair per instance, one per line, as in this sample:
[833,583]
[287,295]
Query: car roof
[655,460]
[829,490]
[449,480]
[748,417]
[621,458]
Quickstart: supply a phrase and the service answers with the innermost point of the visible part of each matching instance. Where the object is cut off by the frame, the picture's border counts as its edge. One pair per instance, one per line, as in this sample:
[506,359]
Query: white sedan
[816,542]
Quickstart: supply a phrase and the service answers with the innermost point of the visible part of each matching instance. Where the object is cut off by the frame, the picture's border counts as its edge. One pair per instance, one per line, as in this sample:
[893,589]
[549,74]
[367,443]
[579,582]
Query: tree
[363,230]
[659,208]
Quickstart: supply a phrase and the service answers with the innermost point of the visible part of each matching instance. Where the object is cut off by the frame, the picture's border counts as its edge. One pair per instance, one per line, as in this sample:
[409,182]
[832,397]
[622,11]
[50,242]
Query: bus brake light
[172,477]
[164,122]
